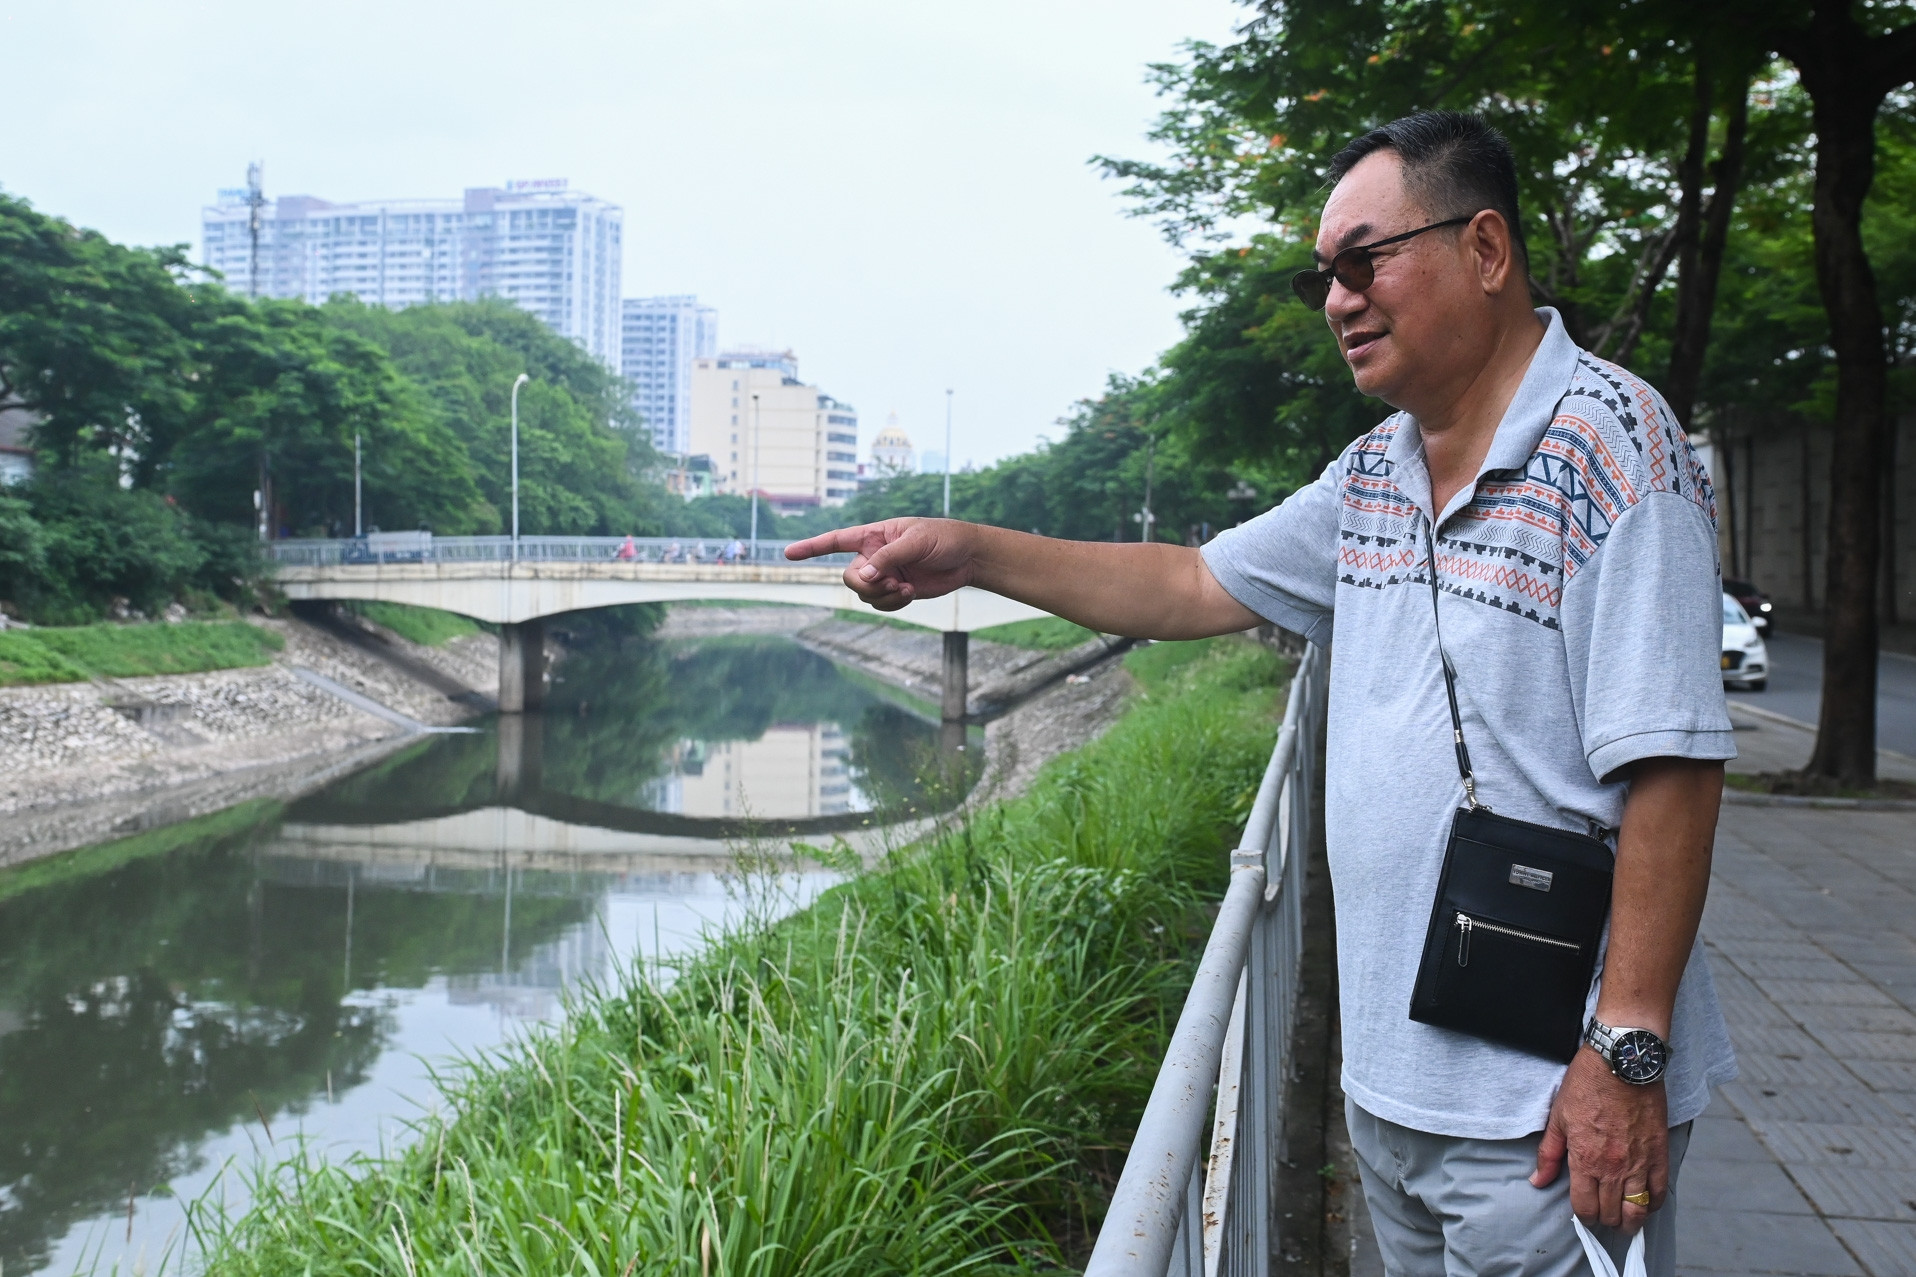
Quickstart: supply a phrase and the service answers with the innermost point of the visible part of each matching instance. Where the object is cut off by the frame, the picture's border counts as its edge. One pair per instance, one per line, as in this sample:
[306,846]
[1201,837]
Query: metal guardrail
[424,547]
[1180,1211]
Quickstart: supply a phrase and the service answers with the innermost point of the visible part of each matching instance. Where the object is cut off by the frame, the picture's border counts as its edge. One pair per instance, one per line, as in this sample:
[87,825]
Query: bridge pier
[522,667]
[956,676]
[520,768]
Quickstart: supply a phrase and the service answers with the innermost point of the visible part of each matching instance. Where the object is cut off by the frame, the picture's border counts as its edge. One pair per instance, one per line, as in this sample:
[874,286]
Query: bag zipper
[1466,924]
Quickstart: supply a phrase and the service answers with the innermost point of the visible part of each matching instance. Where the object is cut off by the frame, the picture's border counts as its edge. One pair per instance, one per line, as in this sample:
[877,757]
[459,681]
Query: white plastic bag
[1600,1258]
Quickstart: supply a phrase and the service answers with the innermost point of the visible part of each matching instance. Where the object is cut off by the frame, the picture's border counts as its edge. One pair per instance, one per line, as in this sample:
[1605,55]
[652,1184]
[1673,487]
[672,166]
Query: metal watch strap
[1603,1039]
[1450,678]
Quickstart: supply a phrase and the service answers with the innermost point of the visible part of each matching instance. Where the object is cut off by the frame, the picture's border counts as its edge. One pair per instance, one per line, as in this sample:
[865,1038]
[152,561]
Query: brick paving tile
[1896,1047]
[1811,932]
[1821,968]
[1883,1247]
[1886,1075]
[1858,1019]
[1859,1194]
[1826,993]
[1838,1144]
[1855,1103]
[1784,1041]
[1902,1102]
[1724,1241]
[1819,1069]
[1723,1184]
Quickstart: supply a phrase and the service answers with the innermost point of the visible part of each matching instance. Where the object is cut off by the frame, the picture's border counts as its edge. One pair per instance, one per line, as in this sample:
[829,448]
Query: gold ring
[1637,1199]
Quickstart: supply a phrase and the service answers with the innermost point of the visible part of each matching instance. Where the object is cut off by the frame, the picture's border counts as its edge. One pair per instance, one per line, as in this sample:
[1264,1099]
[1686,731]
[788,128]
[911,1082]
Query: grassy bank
[1043,633]
[427,626]
[72,654]
[934,1069]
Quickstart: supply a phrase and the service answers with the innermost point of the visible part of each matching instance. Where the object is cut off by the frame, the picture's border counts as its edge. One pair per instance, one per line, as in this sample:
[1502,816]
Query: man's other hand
[1617,1138]
[899,560]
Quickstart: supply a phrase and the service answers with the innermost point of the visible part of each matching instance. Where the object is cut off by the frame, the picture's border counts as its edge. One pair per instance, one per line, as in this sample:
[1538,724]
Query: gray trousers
[1449,1207]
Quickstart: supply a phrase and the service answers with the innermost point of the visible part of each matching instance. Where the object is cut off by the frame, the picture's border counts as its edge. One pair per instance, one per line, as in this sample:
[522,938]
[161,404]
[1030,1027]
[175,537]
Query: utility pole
[357,507]
[255,203]
[523,379]
[755,438]
[947,453]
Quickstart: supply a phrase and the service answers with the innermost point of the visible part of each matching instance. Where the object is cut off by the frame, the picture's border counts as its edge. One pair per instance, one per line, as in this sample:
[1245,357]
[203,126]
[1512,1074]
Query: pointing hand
[898,560]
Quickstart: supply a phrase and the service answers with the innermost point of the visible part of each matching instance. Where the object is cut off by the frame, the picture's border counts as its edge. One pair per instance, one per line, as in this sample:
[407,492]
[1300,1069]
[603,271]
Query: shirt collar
[1519,434]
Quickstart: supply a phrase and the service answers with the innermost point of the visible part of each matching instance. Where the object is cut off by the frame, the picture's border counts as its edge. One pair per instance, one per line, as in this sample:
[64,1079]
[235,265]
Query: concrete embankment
[81,762]
[84,762]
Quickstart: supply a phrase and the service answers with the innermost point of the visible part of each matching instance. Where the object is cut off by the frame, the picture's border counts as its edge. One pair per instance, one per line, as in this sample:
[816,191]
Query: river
[181,1007]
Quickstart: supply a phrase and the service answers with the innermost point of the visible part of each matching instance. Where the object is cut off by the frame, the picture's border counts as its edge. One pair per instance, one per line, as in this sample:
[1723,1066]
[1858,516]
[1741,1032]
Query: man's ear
[1494,249]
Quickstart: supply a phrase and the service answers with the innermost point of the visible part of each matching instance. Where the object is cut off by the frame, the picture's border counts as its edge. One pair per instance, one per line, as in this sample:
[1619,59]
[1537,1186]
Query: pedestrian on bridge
[1519,569]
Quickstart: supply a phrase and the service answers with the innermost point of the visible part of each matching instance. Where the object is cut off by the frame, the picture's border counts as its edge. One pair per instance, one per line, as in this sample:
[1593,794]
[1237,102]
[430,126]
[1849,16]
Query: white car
[1746,659]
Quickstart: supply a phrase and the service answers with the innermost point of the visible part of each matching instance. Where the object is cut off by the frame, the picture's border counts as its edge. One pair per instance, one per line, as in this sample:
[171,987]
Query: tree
[585,466]
[1851,58]
[279,397]
[1090,484]
[92,335]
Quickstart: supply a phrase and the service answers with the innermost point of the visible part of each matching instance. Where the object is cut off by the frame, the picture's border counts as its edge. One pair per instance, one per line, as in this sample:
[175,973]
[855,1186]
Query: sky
[898,191]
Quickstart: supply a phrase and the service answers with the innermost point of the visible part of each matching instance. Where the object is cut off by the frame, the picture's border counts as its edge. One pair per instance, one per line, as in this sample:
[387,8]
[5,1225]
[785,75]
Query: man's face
[1404,335]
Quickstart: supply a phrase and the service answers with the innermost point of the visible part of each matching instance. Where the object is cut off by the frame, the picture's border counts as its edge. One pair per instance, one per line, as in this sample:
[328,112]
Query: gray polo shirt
[1582,610]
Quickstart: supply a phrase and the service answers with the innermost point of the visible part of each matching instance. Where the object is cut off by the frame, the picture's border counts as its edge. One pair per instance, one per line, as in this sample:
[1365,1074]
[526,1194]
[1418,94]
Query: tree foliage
[1090,483]
[163,404]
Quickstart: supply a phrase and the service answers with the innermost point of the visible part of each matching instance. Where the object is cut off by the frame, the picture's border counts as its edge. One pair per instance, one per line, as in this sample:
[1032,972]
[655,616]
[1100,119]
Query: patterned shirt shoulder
[1622,420]
[1611,442]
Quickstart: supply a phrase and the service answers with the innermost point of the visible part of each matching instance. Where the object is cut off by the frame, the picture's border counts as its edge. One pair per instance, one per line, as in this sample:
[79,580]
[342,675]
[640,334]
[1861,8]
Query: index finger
[837,541]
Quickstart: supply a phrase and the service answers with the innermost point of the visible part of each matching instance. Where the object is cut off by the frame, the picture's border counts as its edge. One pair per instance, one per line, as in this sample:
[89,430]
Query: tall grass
[25,663]
[66,654]
[934,1069]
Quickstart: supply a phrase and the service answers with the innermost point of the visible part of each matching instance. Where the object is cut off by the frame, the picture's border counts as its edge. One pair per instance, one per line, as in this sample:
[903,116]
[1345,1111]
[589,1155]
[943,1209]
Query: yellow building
[766,430]
[792,771]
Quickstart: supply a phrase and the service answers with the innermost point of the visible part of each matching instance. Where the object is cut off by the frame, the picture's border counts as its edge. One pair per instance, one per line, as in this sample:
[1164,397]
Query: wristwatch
[1637,1056]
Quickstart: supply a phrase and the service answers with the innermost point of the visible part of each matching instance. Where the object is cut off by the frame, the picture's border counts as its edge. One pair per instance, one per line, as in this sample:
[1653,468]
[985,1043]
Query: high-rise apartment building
[547,250]
[660,338]
[766,430]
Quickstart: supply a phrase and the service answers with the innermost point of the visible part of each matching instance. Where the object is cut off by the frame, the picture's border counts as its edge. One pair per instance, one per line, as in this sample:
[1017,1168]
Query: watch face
[1639,1057]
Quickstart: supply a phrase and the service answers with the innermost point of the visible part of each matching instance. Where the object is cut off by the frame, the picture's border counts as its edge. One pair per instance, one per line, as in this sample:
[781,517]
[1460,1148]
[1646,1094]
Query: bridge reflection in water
[314,964]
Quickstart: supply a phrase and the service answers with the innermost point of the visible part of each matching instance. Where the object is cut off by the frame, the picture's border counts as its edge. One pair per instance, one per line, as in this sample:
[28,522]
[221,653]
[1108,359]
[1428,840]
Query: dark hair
[1454,165]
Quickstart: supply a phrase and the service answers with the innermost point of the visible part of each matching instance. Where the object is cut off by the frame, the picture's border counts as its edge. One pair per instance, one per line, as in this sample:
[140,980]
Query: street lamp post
[947,454]
[756,432]
[523,379]
[358,525]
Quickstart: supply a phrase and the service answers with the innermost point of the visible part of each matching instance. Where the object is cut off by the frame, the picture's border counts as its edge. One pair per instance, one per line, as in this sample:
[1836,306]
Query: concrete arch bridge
[516,584]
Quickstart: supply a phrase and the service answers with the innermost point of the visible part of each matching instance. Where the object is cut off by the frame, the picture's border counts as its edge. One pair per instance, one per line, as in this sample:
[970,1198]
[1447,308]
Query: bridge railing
[1188,1206]
[424,547]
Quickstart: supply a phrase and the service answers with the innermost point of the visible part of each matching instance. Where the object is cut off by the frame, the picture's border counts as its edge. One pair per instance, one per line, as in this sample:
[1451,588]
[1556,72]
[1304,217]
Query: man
[1575,545]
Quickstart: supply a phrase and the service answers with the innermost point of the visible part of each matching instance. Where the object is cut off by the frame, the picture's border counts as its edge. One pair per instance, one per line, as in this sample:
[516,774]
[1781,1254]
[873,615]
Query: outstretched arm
[1138,589]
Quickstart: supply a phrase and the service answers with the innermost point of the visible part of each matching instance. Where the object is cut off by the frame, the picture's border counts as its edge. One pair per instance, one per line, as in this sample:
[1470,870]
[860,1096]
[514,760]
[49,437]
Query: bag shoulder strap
[1450,678]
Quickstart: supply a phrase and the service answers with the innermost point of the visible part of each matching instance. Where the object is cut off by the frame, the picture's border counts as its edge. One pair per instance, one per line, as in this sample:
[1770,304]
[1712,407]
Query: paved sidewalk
[1807,1163]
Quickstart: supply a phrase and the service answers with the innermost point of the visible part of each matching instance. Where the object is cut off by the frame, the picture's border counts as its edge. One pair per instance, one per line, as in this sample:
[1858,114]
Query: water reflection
[167,999]
[737,730]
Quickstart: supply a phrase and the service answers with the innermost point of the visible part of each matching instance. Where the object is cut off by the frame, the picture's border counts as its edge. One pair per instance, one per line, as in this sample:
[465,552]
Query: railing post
[1164,1219]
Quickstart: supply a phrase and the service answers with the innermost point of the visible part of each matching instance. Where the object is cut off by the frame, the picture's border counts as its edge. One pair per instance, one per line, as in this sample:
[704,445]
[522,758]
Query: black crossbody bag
[1520,908]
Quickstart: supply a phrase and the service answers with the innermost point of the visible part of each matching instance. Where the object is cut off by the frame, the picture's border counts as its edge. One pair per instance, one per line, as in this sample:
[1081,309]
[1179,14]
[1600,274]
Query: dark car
[1754,601]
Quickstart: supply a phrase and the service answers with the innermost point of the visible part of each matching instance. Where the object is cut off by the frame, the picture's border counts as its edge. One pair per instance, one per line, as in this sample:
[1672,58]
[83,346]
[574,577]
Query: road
[1796,689]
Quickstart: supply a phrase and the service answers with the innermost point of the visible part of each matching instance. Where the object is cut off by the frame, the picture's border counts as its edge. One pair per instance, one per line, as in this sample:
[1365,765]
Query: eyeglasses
[1353,268]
